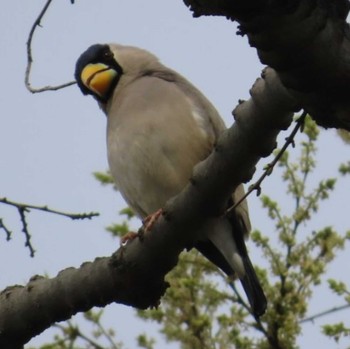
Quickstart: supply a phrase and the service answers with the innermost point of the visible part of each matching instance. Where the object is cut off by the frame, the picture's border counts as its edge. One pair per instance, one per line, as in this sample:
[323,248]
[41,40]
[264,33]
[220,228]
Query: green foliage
[344,169]
[299,258]
[120,229]
[188,310]
[203,309]
[344,135]
[336,331]
[338,287]
[70,335]
[128,212]
[104,178]
[144,342]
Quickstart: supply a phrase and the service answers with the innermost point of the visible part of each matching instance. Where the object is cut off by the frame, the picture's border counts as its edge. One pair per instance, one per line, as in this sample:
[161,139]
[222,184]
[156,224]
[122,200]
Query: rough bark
[307,42]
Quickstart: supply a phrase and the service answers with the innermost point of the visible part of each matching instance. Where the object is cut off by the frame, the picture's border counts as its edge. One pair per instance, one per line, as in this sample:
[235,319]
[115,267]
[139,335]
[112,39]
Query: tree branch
[25,208]
[306,42]
[7,231]
[297,42]
[37,23]
[324,313]
[134,275]
[45,208]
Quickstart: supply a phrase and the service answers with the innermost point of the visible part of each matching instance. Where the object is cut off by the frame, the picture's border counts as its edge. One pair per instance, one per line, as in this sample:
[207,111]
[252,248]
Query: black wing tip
[253,290]
[260,309]
[255,295]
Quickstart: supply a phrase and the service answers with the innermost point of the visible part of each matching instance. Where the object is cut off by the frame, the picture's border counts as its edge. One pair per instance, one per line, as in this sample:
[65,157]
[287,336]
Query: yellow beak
[98,78]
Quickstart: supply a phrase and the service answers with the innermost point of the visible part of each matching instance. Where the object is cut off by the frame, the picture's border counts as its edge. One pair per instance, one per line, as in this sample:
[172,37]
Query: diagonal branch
[312,318]
[134,275]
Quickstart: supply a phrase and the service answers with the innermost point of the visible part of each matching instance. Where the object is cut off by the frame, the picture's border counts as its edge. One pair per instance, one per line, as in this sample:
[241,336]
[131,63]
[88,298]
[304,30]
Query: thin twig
[37,23]
[269,168]
[27,207]
[324,313]
[107,335]
[77,333]
[240,299]
[7,231]
[22,211]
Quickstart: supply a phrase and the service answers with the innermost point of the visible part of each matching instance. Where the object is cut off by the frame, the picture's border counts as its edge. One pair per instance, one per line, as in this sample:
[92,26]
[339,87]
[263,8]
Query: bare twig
[240,299]
[106,335]
[7,231]
[22,211]
[37,23]
[25,208]
[71,329]
[324,313]
[28,207]
[269,167]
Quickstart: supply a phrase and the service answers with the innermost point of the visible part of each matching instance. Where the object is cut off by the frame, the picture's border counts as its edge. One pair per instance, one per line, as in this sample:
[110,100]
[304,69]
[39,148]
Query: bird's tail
[248,278]
[226,248]
[253,289]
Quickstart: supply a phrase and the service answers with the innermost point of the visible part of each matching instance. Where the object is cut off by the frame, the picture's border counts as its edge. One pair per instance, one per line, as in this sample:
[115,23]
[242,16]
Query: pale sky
[52,142]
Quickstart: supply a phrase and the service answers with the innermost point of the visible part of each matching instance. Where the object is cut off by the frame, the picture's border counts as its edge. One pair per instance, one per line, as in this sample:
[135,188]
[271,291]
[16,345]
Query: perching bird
[158,127]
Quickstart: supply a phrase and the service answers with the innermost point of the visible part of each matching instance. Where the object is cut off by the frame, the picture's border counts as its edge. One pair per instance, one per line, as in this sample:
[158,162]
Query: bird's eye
[107,55]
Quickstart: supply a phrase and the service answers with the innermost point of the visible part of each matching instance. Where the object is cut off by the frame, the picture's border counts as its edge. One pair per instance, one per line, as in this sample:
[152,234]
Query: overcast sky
[51,143]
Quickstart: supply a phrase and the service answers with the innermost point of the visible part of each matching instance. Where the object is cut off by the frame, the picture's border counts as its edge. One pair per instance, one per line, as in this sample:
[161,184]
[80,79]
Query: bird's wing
[213,125]
[225,245]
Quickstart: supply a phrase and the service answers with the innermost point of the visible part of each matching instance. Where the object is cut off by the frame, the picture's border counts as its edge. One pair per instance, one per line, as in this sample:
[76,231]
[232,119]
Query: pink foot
[128,237]
[149,221]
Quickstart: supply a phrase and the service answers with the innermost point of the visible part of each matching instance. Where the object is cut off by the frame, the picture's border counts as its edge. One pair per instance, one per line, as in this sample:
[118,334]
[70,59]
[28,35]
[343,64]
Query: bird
[159,126]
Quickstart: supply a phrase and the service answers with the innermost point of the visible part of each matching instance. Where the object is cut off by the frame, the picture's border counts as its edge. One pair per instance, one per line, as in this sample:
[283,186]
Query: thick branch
[134,275]
[307,42]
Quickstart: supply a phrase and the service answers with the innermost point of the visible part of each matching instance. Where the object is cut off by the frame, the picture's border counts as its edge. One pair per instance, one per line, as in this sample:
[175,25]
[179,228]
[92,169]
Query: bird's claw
[128,237]
[149,221]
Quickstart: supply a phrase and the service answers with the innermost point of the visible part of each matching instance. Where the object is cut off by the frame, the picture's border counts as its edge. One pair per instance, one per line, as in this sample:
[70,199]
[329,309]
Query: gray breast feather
[150,155]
